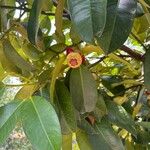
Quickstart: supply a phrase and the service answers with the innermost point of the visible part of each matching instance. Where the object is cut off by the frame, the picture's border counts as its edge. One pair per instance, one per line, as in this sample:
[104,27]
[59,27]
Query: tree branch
[100,60]
[28,10]
[125,49]
[132,53]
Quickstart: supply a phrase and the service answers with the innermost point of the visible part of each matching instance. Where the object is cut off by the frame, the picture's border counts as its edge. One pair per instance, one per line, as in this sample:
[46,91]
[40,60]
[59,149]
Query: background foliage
[104,103]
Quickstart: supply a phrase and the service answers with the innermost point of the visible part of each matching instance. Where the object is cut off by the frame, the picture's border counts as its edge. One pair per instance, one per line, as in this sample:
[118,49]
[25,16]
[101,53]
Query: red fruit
[74,60]
[69,50]
[83,57]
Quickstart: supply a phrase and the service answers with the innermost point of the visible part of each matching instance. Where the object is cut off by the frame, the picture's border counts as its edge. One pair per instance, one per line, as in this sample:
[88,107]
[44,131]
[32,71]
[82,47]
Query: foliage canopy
[83,70]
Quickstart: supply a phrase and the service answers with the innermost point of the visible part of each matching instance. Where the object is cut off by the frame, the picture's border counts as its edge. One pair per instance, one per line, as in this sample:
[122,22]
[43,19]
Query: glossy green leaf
[89,17]
[144,124]
[75,37]
[31,51]
[83,141]
[41,124]
[33,23]
[107,81]
[26,91]
[83,89]
[143,137]
[140,26]
[120,15]
[65,129]
[102,135]
[106,138]
[8,118]
[101,108]
[147,70]
[15,58]
[58,48]
[66,104]
[6,64]
[3,16]
[118,115]
[45,24]
[139,10]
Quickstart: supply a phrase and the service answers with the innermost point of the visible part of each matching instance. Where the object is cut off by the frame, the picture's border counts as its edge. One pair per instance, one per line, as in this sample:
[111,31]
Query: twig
[100,60]
[132,53]
[28,10]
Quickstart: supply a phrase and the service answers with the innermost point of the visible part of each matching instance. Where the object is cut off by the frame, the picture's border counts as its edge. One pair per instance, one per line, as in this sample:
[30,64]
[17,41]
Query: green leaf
[143,137]
[6,64]
[66,104]
[58,48]
[106,138]
[41,124]
[31,51]
[140,26]
[8,118]
[101,108]
[89,17]
[65,129]
[118,115]
[75,38]
[83,89]
[107,81]
[129,145]
[67,142]
[33,23]
[26,91]
[120,15]
[147,69]
[45,24]
[102,135]
[83,141]
[144,124]
[15,58]
[139,10]
[148,2]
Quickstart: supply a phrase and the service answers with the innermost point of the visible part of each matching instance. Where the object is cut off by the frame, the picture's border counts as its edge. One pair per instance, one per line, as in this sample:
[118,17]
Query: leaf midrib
[103,136]
[34,106]
[82,82]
